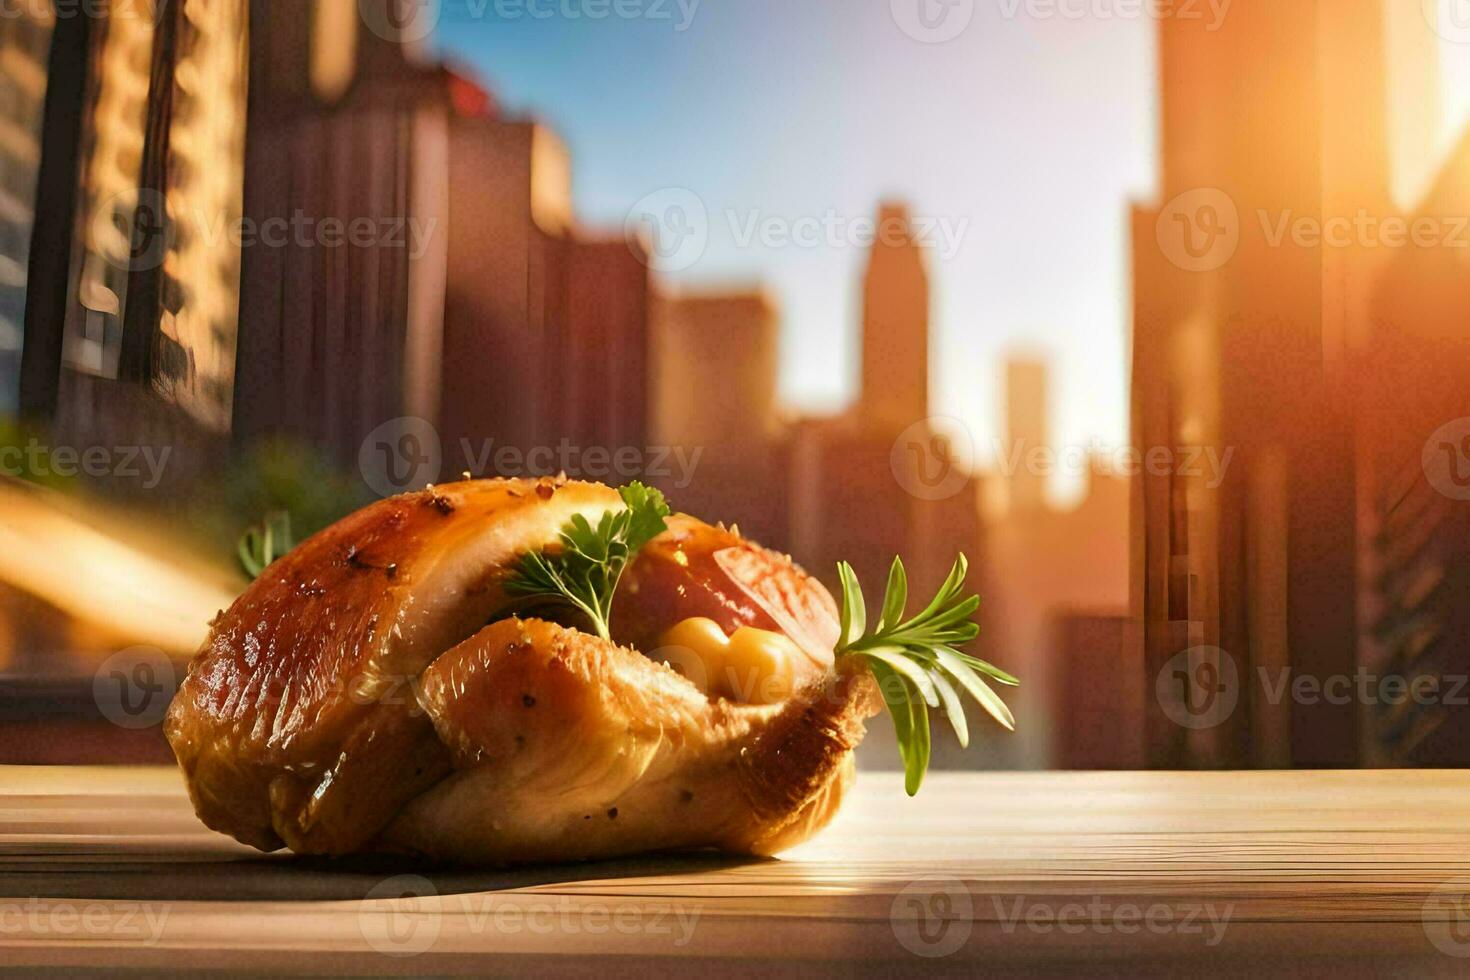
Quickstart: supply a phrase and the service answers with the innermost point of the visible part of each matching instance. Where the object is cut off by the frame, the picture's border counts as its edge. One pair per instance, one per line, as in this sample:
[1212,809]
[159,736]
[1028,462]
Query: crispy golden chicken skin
[372,691]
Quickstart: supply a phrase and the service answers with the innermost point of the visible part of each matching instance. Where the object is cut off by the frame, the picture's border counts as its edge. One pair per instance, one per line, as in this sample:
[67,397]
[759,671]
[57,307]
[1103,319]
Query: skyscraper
[895,339]
[25,38]
[1055,582]
[1414,441]
[715,356]
[1242,341]
[546,323]
[345,129]
[882,479]
[475,301]
[1026,426]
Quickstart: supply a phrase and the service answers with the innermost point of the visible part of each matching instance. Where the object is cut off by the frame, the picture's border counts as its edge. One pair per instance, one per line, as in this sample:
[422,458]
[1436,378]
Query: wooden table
[1352,873]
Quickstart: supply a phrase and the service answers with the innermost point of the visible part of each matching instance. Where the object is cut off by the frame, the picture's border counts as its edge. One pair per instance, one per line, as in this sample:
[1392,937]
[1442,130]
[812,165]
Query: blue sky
[1027,137]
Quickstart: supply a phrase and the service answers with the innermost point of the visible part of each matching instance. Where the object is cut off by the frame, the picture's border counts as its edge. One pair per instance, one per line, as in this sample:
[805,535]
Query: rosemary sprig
[915,661]
[263,543]
[585,572]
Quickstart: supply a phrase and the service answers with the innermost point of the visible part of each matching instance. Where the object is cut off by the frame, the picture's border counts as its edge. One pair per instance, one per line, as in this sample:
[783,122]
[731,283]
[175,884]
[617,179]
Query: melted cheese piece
[752,666]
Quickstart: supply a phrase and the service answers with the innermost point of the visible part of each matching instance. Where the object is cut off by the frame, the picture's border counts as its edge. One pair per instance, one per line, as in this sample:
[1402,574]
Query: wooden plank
[1360,873]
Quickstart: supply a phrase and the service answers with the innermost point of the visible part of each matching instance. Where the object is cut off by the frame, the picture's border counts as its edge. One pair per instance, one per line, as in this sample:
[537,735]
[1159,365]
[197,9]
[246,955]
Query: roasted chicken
[381,689]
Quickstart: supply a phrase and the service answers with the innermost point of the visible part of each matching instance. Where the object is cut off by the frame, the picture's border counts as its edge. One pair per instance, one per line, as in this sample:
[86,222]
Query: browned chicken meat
[381,689]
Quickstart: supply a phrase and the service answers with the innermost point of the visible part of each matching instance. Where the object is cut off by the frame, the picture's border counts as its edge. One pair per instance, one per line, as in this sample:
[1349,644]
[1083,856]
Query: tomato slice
[694,569]
[797,603]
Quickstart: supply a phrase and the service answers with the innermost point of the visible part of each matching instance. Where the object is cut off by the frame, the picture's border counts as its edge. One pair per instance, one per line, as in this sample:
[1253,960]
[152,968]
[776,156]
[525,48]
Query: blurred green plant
[282,476]
[263,543]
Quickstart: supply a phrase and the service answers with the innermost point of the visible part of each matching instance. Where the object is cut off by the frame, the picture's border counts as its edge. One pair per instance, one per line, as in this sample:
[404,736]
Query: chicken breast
[355,699]
[568,747]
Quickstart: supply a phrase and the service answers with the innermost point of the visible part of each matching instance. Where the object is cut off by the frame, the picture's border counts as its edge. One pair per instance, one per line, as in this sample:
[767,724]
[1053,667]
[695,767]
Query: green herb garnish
[585,573]
[915,661]
[263,543]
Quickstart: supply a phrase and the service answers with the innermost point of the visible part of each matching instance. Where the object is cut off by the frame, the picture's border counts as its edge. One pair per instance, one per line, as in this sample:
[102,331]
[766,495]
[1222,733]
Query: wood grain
[1352,873]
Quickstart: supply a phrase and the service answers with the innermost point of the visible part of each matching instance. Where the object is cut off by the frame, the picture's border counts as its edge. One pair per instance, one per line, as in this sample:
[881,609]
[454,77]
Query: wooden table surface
[1353,873]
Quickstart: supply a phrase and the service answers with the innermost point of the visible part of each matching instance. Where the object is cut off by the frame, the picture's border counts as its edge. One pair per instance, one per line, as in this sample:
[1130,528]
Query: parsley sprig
[915,661]
[585,572]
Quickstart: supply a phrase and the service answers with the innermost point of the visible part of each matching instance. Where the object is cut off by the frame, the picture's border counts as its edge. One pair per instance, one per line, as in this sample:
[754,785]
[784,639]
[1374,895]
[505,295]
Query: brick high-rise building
[1027,430]
[1243,343]
[1414,431]
[132,285]
[1094,705]
[1046,562]
[714,382]
[881,480]
[545,325]
[288,223]
[895,339]
[25,38]
[347,127]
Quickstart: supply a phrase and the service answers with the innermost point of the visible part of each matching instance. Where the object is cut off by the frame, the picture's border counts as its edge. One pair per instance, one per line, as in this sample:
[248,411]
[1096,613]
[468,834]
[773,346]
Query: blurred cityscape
[260,258]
